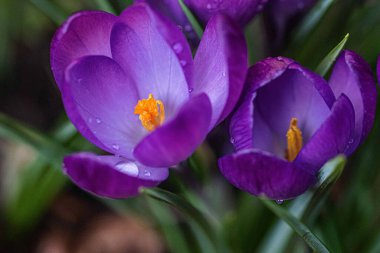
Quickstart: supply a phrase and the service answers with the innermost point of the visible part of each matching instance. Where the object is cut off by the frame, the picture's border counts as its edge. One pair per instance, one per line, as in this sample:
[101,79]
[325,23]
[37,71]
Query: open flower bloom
[130,86]
[241,11]
[291,121]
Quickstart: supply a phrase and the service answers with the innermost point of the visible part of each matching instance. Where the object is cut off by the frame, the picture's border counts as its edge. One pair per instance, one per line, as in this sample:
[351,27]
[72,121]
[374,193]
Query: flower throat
[294,140]
[151,112]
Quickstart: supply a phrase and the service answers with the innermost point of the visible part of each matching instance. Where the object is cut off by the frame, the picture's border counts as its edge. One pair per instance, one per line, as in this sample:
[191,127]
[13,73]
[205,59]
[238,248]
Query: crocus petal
[335,136]
[84,33]
[220,66]
[174,141]
[141,50]
[111,176]
[262,174]
[241,11]
[99,99]
[352,76]
[298,93]
[169,8]
[171,27]
[172,10]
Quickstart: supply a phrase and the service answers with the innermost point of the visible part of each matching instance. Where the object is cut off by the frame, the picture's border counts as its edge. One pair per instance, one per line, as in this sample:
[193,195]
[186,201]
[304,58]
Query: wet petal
[145,53]
[263,174]
[99,99]
[84,33]
[111,176]
[176,140]
[353,77]
[220,66]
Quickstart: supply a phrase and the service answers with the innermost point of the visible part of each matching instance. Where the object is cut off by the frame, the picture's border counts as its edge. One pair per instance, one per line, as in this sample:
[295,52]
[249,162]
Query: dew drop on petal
[177,47]
[279,201]
[115,146]
[183,63]
[232,140]
[147,173]
[128,168]
[97,120]
[191,90]
[188,28]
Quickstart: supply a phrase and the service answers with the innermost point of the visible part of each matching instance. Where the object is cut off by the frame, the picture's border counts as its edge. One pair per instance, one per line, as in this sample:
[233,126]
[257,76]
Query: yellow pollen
[151,112]
[294,137]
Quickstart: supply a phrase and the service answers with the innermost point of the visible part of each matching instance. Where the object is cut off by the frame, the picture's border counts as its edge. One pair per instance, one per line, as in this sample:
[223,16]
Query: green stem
[301,229]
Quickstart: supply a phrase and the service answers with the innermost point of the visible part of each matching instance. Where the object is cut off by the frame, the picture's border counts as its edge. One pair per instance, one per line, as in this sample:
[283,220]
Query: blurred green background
[41,211]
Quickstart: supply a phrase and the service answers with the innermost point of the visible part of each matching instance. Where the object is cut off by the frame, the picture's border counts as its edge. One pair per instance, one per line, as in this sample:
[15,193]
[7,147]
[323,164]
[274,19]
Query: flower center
[294,137]
[151,112]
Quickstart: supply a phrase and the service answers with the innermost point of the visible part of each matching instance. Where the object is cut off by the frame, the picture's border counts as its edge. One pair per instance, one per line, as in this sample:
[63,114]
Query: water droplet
[183,63]
[97,120]
[224,73]
[191,90]
[279,201]
[115,146]
[232,140]
[259,7]
[351,141]
[188,28]
[128,168]
[209,6]
[147,173]
[177,47]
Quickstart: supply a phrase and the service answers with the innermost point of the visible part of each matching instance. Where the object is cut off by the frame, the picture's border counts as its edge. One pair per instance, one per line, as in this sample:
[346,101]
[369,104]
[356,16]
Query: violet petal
[99,99]
[177,139]
[334,137]
[111,176]
[220,66]
[352,76]
[150,61]
[262,174]
[84,33]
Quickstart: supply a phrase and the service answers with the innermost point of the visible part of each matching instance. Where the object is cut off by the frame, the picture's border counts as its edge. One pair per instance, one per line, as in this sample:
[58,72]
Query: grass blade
[193,21]
[47,148]
[328,61]
[301,229]
[312,19]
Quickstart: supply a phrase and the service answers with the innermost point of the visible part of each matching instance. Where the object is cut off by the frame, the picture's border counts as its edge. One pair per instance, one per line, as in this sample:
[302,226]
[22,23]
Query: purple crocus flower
[130,86]
[291,121]
[241,11]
